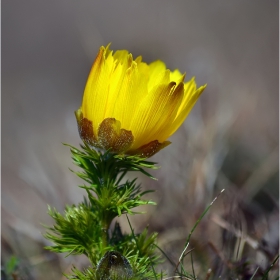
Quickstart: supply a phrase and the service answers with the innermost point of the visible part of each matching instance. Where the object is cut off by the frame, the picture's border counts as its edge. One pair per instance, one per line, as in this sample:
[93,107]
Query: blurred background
[229,141]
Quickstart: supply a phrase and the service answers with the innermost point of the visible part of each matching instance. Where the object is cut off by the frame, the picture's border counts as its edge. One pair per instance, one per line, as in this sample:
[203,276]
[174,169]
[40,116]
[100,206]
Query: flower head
[132,107]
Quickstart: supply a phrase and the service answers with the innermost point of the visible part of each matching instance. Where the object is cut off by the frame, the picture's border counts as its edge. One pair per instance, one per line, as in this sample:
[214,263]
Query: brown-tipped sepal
[112,136]
[85,129]
[149,149]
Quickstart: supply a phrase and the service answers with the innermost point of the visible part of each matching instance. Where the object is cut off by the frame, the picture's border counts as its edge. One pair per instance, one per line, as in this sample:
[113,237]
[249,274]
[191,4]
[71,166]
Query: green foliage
[9,270]
[76,232]
[140,251]
[86,274]
[102,169]
[104,173]
[11,265]
[89,274]
[265,277]
[85,228]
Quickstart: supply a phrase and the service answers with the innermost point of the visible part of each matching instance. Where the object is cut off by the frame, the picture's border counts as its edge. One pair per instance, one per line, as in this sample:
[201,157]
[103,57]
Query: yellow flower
[132,107]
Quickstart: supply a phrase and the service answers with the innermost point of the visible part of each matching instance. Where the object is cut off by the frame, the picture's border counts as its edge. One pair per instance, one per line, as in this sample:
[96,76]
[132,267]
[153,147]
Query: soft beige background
[230,138]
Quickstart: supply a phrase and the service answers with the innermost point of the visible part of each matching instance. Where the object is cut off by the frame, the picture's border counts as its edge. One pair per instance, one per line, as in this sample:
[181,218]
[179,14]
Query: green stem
[105,223]
[105,235]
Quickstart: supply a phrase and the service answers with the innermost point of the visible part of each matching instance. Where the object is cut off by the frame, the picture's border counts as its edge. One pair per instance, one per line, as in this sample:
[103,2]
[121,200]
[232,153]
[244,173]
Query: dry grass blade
[225,225]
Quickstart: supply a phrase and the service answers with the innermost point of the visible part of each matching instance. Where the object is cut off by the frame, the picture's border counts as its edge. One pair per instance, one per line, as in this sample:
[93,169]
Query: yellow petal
[116,87]
[164,125]
[133,90]
[177,76]
[132,107]
[189,101]
[96,90]
[148,113]
[157,68]
[121,56]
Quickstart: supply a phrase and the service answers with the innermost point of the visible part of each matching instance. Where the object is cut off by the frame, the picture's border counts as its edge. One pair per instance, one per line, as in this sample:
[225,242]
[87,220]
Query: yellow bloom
[132,107]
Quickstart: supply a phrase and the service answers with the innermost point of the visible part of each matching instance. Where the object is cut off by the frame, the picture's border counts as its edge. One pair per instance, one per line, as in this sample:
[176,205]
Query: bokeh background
[229,141]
